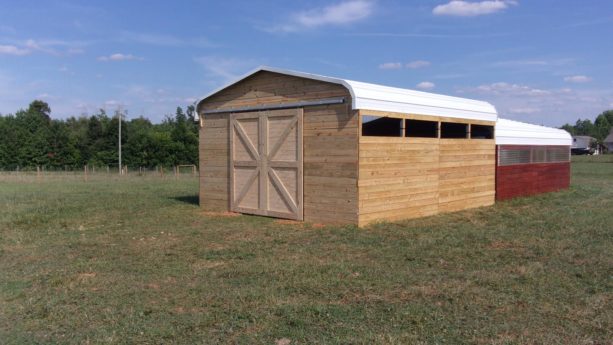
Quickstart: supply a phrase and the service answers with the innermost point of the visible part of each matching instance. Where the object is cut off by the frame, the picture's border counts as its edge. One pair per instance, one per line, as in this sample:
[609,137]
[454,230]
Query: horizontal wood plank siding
[470,182]
[330,144]
[330,164]
[401,178]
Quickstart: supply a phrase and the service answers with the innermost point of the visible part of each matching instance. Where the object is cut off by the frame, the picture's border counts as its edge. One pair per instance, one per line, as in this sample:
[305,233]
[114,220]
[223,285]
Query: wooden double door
[266,163]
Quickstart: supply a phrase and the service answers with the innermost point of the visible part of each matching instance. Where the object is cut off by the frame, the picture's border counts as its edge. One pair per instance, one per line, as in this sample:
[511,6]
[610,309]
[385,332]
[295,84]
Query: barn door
[266,163]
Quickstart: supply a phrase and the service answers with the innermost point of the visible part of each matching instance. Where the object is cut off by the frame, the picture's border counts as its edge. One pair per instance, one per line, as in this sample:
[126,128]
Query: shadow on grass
[188,199]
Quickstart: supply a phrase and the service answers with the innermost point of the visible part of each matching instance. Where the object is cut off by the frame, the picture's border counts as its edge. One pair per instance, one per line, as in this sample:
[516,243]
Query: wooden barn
[531,159]
[326,150]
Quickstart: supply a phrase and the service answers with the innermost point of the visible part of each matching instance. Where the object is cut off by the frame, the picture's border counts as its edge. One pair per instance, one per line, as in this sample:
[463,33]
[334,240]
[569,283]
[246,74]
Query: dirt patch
[86,275]
[283,341]
[152,286]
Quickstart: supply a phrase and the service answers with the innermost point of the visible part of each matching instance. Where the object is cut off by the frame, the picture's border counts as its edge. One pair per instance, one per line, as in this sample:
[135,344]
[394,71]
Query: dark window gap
[376,126]
[481,132]
[421,129]
[454,130]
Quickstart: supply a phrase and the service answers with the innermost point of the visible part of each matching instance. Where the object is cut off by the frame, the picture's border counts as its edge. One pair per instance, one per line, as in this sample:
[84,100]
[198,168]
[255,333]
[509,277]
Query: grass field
[134,260]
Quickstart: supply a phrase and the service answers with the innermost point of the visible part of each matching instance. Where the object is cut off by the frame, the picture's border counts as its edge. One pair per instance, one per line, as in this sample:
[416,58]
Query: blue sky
[541,61]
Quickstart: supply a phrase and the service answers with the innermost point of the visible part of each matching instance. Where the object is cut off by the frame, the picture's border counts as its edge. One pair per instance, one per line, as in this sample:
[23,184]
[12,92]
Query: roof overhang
[509,132]
[368,96]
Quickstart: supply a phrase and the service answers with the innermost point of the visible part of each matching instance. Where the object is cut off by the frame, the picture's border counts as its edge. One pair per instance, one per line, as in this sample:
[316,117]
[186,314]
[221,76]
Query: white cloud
[426,85]
[517,89]
[342,13]
[51,47]
[524,110]
[390,65]
[45,96]
[577,79]
[13,50]
[112,103]
[552,107]
[418,64]
[120,57]
[225,69]
[461,8]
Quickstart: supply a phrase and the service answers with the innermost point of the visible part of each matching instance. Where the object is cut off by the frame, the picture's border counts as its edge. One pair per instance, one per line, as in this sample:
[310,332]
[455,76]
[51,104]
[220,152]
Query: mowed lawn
[134,260]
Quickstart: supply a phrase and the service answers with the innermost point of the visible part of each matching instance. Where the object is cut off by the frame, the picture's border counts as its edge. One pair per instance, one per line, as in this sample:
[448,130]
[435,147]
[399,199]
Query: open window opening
[481,132]
[377,126]
[421,129]
[453,130]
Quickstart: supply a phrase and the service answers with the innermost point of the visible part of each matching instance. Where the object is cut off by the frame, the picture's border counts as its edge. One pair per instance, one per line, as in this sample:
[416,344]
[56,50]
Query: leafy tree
[31,138]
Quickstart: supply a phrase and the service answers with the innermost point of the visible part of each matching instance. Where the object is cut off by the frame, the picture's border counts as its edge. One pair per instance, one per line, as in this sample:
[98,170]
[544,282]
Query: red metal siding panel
[529,179]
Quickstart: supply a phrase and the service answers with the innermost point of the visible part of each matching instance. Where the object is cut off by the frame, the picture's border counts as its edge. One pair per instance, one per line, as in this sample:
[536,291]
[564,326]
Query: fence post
[85,172]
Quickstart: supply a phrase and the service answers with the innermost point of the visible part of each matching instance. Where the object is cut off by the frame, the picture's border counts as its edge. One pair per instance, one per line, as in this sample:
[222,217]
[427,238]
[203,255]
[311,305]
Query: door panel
[266,163]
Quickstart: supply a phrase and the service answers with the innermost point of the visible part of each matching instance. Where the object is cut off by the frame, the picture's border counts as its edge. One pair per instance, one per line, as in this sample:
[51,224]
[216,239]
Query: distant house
[582,145]
[608,141]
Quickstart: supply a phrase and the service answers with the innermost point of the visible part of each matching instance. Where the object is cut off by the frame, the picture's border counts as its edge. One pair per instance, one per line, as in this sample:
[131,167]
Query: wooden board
[331,164]
[266,163]
[214,149]
[401,178]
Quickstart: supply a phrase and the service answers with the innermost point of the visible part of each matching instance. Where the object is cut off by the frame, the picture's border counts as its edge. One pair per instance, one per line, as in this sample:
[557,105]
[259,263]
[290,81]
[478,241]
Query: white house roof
[384,98]
[509,132]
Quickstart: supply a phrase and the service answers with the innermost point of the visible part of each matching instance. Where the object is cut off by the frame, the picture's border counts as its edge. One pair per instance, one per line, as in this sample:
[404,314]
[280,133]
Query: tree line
[599,129]
[31,138]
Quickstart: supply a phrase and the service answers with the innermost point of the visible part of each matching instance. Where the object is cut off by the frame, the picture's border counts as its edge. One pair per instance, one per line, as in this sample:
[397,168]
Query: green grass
[112,261]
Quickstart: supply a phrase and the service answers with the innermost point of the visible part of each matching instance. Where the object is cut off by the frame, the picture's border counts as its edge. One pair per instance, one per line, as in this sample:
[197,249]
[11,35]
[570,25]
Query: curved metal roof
[509,132]
[384,98]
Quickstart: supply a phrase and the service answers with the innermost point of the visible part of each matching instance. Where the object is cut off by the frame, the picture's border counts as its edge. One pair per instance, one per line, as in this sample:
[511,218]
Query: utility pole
[119,141]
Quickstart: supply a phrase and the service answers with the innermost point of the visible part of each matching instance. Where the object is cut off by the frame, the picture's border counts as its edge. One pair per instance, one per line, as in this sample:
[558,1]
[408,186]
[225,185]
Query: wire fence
[87,172]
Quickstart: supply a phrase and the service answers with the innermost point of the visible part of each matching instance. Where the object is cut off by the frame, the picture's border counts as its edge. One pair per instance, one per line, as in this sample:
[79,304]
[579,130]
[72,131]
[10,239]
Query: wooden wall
[467,174]
[330,164]
[401,178]
[530,179]
[214,152]
[330,144]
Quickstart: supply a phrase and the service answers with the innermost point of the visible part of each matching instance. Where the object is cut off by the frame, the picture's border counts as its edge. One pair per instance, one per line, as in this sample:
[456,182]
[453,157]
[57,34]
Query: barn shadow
[188,199]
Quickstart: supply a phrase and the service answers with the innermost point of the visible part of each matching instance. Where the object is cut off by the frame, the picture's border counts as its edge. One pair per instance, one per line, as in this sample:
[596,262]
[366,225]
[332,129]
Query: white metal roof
[384,98]
[509,132]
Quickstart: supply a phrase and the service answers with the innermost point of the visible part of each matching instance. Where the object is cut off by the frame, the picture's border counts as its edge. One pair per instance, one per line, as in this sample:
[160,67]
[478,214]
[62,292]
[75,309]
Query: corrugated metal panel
[384,98]
[532,154]
[510,132]
[516,156]
[558,154]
